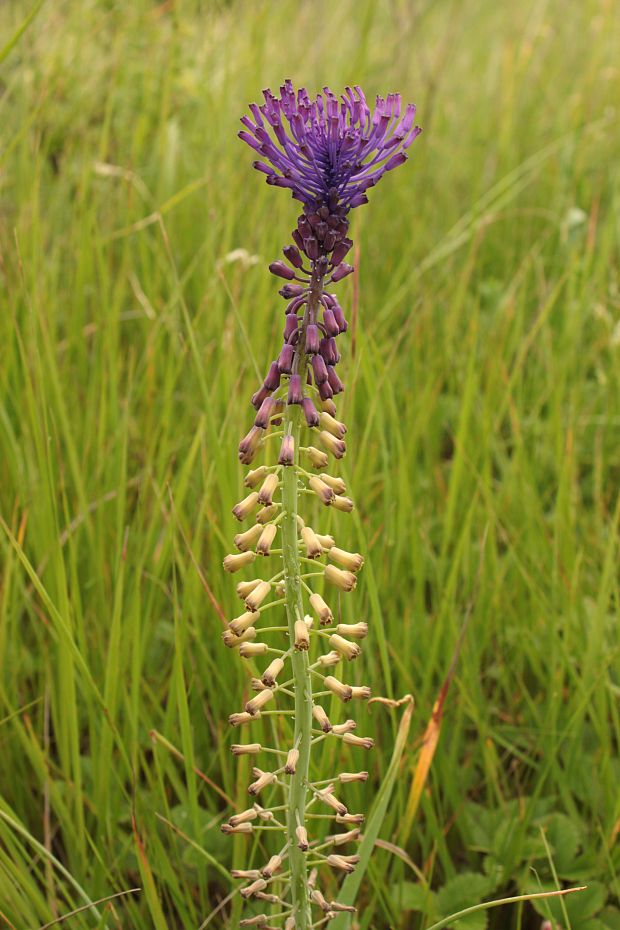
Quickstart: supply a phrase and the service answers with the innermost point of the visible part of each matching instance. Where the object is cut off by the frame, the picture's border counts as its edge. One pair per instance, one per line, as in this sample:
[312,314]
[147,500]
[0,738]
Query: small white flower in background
[240,257]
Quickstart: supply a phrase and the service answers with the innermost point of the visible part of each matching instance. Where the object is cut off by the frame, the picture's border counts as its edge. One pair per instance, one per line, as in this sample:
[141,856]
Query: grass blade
[352,882]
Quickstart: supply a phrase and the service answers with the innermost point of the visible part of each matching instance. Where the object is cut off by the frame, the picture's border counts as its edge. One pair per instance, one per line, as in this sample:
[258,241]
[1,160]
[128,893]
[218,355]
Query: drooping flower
[328,150]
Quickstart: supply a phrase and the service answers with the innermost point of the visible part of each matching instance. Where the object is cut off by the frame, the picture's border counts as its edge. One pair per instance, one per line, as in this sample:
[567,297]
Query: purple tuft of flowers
[328,150]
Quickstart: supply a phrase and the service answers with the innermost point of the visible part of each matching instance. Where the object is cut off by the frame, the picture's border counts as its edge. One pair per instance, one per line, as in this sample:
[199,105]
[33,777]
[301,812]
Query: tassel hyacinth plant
[328,152]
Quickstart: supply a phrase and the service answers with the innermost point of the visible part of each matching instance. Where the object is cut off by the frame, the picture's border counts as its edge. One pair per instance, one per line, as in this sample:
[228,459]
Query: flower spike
[328,151]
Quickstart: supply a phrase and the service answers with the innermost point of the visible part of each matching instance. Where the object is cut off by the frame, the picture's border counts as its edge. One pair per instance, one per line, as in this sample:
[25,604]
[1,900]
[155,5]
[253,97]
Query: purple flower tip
[295,390]
[292,254]
[285,359]
[319,369]
[272,380]
[312,339]
[281,270]
[328,149]
[291,290]
[310,412]
[341,271]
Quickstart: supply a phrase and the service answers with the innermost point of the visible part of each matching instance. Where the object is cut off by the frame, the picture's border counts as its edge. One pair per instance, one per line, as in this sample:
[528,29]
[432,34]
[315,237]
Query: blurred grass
[483,402]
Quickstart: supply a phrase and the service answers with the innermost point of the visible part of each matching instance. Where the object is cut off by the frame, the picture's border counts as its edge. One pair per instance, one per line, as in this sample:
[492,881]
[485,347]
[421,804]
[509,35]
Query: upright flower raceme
[328,152]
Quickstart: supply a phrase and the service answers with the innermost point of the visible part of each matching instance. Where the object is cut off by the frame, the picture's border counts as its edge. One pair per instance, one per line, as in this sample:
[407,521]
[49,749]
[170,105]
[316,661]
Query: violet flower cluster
[328,152]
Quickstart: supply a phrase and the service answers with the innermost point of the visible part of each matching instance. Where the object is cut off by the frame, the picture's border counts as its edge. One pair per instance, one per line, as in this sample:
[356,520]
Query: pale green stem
[303,689]
[296,815]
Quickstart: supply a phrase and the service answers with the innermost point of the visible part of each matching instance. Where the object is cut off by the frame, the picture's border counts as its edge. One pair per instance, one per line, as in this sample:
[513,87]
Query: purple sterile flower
[319,369]
[293,256]
[341,271]
[259,396]
[312,339]
[339,316]
[295,390]
[291,290]
[285,359]
[287,451]
[328,148]
[341,250]
[329,351]
[281,270]
[265,412]
[272,380]
[329,321]
[290,327]
[310,412]
[334,381]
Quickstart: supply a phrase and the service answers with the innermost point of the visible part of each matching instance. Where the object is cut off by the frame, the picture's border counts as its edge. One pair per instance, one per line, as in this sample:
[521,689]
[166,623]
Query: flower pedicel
[328,151]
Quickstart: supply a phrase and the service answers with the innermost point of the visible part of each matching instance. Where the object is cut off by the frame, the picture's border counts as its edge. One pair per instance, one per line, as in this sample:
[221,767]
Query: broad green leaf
[413,896]
[564,838]
[579,907]
[463,891]
[610,918]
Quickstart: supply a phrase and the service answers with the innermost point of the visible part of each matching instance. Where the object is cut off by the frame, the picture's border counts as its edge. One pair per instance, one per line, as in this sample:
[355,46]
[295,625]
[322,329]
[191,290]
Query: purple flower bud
[277,421]
[339,317]
[312,338]
[249,445]
[299,242]
[261,166]
[325,391]
[272,381]
[358,200]
[324,210]
[319,369]
[341,271]
[311,248]
[295,390]
[259,396]
[329,351]
[304,227]
[341,250]
[314,219]
[331,327]
[285,359]
[291,290]
[334,381]
[281,270]
[330,240]
[310,412]
[264,414]
[320,231]
[290,326]
[292,254]
[287,451]
[399,159]
[322,264]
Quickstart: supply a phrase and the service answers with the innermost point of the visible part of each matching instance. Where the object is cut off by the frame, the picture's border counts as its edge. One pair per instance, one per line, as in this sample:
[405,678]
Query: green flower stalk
[328,152]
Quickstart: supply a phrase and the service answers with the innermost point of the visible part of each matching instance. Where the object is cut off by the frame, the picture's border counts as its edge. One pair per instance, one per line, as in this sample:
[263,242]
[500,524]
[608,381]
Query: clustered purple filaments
[328,147]
[328,152]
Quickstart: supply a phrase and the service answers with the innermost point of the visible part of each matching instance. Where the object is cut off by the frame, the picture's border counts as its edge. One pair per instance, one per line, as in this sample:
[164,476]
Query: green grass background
[483,404]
